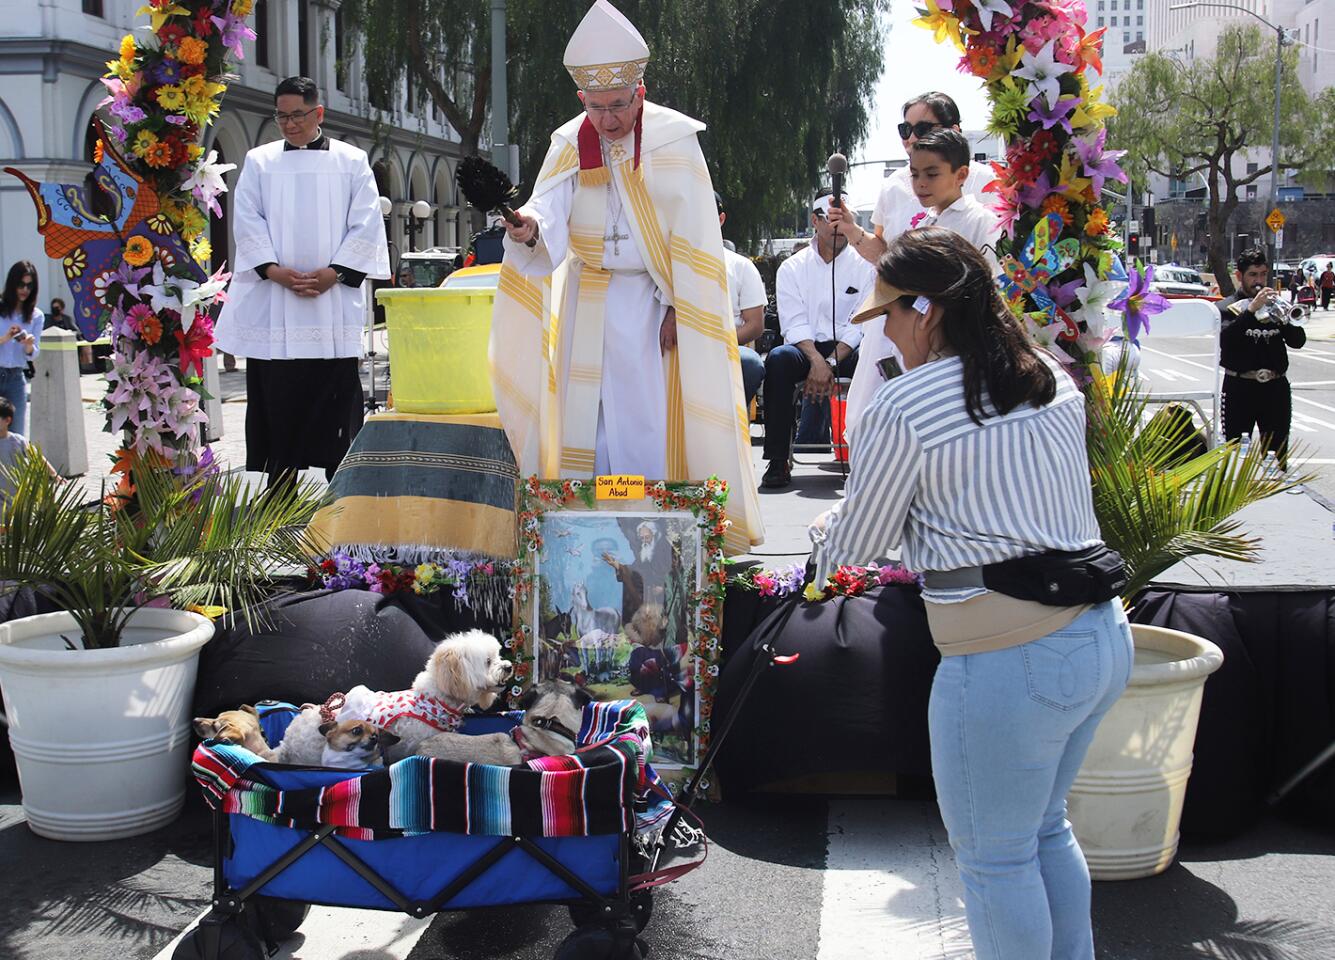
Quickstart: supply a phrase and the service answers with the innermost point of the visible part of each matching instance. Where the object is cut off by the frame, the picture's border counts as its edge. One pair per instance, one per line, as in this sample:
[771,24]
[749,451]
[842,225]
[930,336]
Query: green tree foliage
[781,84]
[1204,117]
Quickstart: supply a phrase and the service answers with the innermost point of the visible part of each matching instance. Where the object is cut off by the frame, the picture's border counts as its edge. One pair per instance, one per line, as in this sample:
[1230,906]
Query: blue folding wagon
[424,836]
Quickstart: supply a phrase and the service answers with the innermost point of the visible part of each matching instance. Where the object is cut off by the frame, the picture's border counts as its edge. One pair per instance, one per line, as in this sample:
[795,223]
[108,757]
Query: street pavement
[787,877]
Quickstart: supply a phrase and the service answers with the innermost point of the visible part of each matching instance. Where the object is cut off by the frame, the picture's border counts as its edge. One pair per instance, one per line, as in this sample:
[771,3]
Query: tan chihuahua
[241,727]
[355,745]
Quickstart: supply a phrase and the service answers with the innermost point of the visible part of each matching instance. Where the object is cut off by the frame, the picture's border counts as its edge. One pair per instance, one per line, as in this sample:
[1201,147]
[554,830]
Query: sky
[915,63]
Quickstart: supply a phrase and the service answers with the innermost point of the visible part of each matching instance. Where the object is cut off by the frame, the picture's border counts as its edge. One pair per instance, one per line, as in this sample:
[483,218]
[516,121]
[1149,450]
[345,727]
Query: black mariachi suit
[1247,345]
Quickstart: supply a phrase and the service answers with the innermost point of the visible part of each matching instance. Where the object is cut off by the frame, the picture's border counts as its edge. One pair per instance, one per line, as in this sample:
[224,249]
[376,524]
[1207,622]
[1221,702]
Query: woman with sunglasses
[974,461]
[20,333]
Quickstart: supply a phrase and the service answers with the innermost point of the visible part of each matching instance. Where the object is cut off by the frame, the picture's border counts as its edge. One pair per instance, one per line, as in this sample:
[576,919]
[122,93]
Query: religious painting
[621,600]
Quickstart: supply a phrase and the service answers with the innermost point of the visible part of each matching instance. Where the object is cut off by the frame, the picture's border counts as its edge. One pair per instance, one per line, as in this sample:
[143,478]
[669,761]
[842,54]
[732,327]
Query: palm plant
[199,541]
[1159,501]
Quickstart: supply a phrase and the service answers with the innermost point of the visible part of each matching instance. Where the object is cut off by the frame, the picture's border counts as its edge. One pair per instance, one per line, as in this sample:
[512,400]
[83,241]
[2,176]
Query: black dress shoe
[778,474]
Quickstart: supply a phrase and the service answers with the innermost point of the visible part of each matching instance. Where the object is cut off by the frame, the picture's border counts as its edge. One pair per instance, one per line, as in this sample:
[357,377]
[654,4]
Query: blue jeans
[14,388]
[753,372]
[1009,731]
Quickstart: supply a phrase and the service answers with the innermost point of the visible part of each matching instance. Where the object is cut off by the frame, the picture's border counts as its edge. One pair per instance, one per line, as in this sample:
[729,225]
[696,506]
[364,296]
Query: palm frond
[1157,501]
[205,540]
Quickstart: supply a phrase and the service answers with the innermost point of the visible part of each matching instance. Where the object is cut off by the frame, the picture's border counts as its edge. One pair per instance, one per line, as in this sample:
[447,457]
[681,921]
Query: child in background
[13,448]
[938,169]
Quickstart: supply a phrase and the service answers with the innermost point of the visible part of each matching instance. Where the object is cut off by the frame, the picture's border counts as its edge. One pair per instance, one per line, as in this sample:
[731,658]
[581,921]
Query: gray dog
[553,711]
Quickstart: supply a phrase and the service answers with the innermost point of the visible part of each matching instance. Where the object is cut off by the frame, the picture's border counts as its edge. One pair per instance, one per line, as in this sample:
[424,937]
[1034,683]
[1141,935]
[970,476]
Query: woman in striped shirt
[974,456]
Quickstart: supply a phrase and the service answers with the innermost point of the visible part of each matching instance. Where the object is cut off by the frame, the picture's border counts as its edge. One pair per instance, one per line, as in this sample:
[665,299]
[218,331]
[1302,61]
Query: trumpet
[1276,311]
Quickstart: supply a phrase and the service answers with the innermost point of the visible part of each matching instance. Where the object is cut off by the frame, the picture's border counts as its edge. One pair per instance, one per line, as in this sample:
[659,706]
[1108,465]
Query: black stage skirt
[301,413]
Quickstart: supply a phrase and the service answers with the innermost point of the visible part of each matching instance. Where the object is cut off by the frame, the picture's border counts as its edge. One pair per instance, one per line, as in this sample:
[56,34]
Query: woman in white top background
[20,333]
[974,462]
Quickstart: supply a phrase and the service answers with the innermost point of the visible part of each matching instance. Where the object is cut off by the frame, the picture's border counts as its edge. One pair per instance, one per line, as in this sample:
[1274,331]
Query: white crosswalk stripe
[890,881]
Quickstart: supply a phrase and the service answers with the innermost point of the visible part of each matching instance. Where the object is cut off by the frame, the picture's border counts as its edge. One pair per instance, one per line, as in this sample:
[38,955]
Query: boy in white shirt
[939,173]
[939,169]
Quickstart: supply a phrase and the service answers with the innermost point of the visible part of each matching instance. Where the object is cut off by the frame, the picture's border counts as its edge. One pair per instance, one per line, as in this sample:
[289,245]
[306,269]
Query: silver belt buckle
[1264,376]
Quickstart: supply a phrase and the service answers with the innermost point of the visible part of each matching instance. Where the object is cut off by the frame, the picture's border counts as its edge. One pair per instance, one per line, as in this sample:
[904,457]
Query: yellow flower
[943,24]
[201,250]
[171,97]
[193,222]
[194,151]
[192,50]
[1069,180]
[122,69]
[1092,111]
[213,613]
[138,251]
[242,8]
[128,51]
[144,141]
[812,592]
[158,15]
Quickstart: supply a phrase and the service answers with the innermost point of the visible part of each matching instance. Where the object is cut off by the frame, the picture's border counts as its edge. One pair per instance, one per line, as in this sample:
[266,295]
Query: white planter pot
[101,737]
[1126,802]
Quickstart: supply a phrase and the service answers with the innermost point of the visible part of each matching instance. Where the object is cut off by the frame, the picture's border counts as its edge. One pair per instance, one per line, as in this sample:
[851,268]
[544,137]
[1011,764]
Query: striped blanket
[608,786]
[418,487]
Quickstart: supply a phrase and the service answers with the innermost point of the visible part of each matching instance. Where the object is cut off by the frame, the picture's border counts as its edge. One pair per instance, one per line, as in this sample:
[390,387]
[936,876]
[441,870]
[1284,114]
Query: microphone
[837,167]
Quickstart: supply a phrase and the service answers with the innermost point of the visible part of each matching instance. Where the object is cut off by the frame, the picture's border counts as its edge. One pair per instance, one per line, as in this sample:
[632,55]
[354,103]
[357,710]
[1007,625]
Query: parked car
[1312,266]
[1178,281]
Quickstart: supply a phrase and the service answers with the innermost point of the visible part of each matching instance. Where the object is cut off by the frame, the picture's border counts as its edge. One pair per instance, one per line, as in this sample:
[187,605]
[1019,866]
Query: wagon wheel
[613,940]
[641,908]
[279,919]
[236,941]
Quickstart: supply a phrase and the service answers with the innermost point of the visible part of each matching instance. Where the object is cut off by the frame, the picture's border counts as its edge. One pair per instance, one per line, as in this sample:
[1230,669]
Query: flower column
[1059,253]
[162,97]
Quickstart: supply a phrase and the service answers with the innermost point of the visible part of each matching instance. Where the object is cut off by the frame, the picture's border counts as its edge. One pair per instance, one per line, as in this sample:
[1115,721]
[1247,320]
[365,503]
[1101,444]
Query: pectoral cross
[615,239]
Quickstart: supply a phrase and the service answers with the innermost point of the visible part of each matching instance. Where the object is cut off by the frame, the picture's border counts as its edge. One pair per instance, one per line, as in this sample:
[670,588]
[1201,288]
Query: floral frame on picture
[625,597]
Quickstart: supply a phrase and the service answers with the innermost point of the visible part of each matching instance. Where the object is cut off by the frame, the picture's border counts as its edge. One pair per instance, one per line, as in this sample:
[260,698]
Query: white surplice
[304,209]
[632,414]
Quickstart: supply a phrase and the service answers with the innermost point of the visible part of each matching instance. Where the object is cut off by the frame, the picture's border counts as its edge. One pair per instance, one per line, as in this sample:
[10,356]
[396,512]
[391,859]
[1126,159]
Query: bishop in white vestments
[309,232]
[613,348]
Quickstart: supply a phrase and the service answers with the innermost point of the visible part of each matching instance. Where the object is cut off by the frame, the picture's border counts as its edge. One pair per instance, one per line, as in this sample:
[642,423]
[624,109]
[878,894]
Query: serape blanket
[594,791]
[416,487]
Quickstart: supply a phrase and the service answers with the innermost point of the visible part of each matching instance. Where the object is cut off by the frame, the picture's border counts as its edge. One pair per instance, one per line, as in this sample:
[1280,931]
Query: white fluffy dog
[465,669]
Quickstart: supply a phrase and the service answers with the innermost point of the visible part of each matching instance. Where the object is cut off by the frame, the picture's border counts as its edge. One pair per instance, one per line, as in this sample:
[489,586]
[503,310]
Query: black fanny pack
[1057,578]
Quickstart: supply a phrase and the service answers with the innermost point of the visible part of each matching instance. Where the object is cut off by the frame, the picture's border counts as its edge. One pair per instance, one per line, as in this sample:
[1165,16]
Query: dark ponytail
[997,354]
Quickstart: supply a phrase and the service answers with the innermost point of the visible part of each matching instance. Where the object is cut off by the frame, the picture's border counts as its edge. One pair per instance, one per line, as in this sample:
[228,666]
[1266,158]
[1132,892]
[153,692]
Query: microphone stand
[834,334]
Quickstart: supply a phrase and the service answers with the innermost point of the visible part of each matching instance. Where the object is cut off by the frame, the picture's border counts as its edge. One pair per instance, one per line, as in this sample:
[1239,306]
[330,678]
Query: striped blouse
[957,494]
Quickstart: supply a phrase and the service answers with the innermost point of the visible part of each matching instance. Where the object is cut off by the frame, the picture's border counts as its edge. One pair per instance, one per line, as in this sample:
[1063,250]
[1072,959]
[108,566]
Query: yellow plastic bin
[438,348]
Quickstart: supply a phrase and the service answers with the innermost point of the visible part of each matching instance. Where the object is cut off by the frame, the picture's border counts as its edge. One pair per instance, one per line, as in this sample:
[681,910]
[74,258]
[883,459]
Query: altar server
[309,231]
[613,348]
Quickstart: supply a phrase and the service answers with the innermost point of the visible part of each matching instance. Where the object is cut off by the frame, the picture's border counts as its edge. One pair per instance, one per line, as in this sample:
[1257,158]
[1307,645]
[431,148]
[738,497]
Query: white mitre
[606,52]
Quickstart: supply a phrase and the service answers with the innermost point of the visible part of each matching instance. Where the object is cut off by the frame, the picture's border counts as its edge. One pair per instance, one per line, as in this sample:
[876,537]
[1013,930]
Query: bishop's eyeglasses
[609,107]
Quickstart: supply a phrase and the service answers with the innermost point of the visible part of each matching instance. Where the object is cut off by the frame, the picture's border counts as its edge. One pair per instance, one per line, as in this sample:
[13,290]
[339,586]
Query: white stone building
[52,53]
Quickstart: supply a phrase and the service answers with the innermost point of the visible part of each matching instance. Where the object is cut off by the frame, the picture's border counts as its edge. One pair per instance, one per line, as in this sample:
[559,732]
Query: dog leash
[663,875]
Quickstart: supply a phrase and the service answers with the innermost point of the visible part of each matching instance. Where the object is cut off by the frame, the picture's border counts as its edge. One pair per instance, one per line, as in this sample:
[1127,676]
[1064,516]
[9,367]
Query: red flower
[203,23]
[172,33]
[192,70]
[195,346]
[1044,143]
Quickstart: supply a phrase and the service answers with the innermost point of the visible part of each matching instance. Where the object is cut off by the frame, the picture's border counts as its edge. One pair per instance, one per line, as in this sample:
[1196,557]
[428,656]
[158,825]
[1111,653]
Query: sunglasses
[919,129]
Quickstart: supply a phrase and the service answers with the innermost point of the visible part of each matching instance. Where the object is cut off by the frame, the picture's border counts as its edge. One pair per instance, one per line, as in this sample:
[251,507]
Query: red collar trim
[591,149]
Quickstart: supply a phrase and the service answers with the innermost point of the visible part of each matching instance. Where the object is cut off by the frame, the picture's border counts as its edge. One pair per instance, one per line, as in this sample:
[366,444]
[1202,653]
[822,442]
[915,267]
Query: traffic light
[1133,244]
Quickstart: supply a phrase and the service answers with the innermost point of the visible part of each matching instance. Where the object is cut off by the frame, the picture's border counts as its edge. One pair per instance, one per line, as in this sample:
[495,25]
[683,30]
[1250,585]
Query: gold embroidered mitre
[606,52]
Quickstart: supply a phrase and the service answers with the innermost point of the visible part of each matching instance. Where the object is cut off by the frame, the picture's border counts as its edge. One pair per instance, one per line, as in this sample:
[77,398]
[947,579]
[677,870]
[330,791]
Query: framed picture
[624,597]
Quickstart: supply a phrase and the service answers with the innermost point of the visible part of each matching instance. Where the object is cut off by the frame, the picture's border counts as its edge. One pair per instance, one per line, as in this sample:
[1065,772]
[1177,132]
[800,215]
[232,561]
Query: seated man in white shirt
[818,289]
[746,292]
